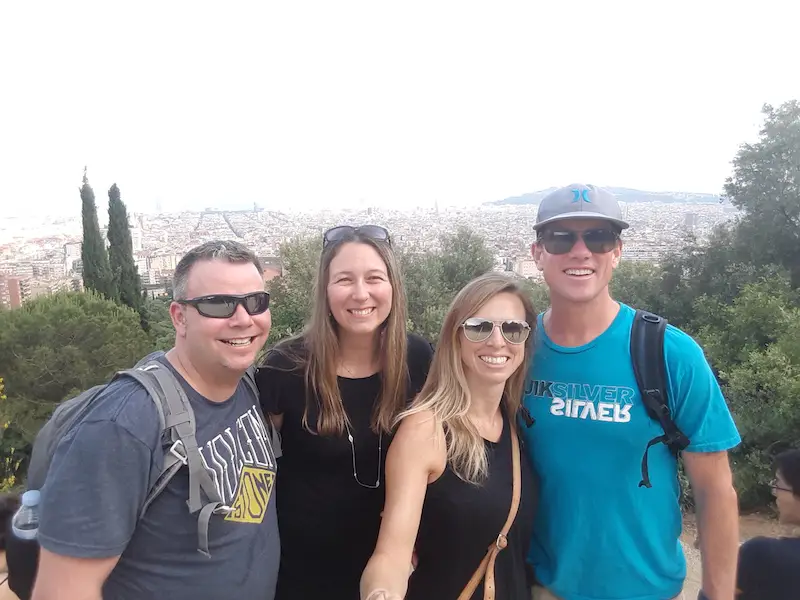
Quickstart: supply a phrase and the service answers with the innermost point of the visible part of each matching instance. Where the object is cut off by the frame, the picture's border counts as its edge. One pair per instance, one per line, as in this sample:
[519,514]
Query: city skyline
[47,257]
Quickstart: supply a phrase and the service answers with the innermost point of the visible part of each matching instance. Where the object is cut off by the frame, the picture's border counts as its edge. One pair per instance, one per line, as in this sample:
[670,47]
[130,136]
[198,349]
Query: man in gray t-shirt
[93,542]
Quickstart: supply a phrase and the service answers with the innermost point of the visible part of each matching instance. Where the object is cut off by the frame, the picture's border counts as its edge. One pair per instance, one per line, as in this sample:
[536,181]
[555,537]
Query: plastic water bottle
[25,523]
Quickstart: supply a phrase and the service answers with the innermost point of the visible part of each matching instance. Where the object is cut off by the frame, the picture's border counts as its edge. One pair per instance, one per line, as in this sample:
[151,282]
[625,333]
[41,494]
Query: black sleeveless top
[459,522]
[328,522]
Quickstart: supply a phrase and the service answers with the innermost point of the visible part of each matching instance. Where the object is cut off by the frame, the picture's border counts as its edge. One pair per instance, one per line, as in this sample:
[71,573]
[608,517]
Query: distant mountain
[623,195]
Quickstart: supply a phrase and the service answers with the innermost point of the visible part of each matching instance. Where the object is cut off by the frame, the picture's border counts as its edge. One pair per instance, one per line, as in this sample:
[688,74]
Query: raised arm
[416,457]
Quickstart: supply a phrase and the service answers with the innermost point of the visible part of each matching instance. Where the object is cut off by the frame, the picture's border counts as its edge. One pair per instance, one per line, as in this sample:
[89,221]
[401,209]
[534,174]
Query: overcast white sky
[335,103]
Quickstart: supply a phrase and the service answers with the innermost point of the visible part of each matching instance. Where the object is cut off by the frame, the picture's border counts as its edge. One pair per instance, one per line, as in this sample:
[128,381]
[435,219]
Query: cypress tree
[96,270]
[120,252]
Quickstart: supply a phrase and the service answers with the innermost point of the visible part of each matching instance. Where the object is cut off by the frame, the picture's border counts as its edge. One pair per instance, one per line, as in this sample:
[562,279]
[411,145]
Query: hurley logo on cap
[579,195]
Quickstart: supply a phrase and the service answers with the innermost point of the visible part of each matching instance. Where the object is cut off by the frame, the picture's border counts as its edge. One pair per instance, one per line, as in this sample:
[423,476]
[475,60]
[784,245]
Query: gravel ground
[694,572]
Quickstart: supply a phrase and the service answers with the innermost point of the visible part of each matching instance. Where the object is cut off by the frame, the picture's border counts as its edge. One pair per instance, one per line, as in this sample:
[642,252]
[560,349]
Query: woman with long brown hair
[457,486]
[334,392]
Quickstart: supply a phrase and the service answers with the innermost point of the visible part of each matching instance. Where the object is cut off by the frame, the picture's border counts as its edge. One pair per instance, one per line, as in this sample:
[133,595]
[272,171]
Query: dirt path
[749,526]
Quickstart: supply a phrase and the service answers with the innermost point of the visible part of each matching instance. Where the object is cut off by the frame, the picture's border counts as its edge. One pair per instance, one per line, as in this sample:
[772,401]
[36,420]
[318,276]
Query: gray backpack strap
[172,464]
[152,387]
[179,423]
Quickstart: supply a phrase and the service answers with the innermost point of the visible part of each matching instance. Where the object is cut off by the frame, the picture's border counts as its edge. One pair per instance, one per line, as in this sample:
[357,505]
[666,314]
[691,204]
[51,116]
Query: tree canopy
[96,270]
[120,252]
[56,346]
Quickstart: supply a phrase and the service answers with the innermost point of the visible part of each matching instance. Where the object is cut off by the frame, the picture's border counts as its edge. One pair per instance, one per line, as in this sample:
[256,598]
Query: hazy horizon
[311,105]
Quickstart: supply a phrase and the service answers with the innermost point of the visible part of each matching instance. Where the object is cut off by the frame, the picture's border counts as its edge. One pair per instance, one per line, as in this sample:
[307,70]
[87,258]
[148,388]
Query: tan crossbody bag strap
[487,564]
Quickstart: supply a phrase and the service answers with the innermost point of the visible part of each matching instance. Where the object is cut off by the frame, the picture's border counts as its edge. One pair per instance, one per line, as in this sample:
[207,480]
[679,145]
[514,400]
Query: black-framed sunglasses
[599,241]
[773,485]
[223,306]
[480,330]
[375,232]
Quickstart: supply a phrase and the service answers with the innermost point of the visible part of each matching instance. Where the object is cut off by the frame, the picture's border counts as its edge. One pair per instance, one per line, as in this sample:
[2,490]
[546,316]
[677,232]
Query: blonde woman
[335,391]
[450,470]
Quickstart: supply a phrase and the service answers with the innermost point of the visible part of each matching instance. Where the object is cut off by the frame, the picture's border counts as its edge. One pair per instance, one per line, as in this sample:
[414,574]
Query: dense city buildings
[41,255]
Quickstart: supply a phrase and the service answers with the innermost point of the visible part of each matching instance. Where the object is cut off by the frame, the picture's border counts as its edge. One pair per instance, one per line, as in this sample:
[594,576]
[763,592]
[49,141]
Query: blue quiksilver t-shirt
[597,534]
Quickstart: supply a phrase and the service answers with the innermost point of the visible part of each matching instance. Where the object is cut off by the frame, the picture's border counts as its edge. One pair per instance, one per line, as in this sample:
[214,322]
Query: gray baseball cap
[579,201]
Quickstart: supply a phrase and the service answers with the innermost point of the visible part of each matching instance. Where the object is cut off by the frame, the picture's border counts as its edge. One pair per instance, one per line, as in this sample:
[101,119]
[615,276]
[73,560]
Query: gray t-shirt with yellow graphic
[103,469]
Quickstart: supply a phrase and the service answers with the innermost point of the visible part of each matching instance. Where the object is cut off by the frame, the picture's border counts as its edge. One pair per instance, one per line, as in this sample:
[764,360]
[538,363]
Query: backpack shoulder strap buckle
[178,451]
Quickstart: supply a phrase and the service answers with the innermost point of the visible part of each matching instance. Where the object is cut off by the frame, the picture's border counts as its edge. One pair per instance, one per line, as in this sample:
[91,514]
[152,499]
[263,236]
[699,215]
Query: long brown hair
[446,392]
[317,348]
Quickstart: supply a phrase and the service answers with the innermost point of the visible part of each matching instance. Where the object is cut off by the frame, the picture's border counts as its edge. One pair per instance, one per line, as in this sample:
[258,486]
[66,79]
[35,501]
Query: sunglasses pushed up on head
[223,306]
[480,330]
[600,240]
[336,234]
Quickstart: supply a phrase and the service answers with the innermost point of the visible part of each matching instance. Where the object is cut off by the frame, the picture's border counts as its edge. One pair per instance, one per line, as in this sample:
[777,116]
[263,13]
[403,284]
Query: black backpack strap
[647,355]
[274,434]
[250,380]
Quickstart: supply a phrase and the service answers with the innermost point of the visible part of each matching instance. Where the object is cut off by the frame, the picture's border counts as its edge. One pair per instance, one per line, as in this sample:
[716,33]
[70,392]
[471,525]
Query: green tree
[433,279]
[720,269]
[10,442]
[765,184]
[96,270]
[764,394]
[292,294]
[637,284]
[156,312]
[120,253]
[427,298]
[539,294]
[463,257]
[56,346]
[731,332]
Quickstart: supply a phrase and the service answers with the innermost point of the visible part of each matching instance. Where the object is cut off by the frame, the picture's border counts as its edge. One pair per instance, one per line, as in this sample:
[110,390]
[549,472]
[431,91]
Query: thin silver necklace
[355,469]
[353,448]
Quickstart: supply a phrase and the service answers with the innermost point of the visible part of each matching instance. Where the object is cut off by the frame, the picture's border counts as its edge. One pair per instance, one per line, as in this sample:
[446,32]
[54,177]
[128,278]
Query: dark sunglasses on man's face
[375,232]
[480,330]
[223,306]
[560,241]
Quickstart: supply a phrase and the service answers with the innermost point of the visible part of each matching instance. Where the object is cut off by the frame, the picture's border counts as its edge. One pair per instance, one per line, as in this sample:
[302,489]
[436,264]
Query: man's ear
[617,254]
[178,316]
[536,252]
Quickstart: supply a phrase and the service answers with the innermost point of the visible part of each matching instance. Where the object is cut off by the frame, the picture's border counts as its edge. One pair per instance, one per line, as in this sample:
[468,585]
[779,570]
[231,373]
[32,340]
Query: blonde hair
[446,392]
[318,351]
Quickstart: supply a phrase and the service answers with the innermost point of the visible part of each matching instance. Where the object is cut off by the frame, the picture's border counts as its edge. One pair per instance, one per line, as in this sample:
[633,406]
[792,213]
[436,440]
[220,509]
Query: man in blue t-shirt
[599,535]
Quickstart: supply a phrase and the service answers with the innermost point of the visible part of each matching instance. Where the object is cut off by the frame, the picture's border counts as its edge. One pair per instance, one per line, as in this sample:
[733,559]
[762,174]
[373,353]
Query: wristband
[701,595]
